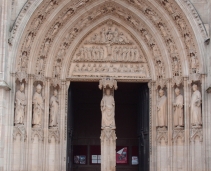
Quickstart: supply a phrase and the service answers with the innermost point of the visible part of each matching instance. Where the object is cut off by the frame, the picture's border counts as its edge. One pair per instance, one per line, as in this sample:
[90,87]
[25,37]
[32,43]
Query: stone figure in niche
[178,109]
[56,27]
[20,103]
[196,116]
[151,14]
[194,62]
[50,5]
[54,109]
[146,34]
[38,107]
[108,110]
[187,40]
[162,110]
[46,45]
[180,22]
[160,25]
[40,64]
[68,13]
[168,6]
[176,66]
[29,39]
[38,21]
[24,60]
[171,46]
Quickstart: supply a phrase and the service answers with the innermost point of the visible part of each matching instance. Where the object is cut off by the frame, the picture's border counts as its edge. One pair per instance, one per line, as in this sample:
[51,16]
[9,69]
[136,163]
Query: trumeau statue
[196,117]
[54,109]
[178,109]
[108,110]
[38,107]
[20,105]
[162,110]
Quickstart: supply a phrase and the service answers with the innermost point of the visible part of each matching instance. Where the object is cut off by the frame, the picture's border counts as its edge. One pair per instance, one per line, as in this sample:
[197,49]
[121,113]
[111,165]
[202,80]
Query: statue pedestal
[108,149]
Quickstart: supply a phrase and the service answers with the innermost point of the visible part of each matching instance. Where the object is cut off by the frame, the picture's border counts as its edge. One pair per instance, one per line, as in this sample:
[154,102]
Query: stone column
[170,123]
[187,91]
[29,121]
[153,126]
[108,127]
[63,124]
[45,125]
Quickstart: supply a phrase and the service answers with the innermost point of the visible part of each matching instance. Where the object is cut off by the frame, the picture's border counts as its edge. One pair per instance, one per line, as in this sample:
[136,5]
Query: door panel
[143,128]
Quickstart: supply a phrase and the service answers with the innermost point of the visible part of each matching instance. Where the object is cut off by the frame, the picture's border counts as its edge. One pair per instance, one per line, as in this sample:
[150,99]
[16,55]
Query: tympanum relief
[109,51]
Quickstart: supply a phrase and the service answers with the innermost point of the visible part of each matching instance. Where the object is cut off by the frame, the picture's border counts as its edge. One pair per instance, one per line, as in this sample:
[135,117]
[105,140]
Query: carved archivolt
[144,7]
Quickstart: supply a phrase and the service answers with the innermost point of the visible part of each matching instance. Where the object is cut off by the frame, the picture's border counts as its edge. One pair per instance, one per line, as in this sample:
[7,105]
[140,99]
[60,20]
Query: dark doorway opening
[84,126]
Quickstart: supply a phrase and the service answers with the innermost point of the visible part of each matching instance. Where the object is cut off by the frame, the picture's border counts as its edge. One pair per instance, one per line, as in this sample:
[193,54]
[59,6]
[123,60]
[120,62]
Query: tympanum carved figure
[108,110]
[178,109]
[162,110]
[54,109]
[38,107]
[20,102]
[196,116]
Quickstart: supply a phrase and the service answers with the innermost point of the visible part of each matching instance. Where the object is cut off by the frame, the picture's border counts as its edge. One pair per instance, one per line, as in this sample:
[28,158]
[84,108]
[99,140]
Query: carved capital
[40,79]
[56,82]
[108,82]
[177,80]
[161,83]
[21,76]
[194,78]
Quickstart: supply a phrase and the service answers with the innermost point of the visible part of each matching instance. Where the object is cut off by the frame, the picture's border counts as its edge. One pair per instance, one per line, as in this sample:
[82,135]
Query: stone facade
[46,44]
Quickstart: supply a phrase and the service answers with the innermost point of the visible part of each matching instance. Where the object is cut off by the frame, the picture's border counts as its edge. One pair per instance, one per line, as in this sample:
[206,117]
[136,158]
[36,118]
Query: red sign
[121,156]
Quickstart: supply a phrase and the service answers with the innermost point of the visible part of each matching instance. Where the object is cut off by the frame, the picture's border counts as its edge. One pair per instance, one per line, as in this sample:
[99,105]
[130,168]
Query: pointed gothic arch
[39,35]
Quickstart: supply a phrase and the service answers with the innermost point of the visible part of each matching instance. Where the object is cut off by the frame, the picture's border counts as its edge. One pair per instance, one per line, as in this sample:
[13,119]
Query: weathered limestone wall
[19,147]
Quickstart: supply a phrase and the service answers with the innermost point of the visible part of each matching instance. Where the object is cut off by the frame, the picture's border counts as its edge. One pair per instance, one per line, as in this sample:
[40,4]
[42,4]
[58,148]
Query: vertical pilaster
[29,122]
[45,125]
[187,91]
[63,124]
[204,119]
[153,155]
[170,124]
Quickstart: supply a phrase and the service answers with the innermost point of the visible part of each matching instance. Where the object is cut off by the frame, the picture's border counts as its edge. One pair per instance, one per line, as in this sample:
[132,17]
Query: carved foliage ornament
[110,82]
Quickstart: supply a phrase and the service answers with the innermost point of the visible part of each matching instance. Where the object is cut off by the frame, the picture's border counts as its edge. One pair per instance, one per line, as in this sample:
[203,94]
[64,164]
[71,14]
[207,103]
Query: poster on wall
[134,160]
[121,156]
[80,159]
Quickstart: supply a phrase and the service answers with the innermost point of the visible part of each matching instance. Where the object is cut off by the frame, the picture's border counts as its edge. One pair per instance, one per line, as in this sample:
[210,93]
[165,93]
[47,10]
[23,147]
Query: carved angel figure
[38,106]
[20,102]
[54,109]
[196,117]
[178,109]
[108,110]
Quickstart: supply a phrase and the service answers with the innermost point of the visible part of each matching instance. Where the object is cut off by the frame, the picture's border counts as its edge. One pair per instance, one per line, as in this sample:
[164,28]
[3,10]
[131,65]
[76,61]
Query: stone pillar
[45,126]
[29,122]
[153,112]
[63,124]
[170,119]
[108,135]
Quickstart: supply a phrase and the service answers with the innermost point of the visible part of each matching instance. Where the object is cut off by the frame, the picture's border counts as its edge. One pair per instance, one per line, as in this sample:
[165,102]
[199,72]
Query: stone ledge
[4,85]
